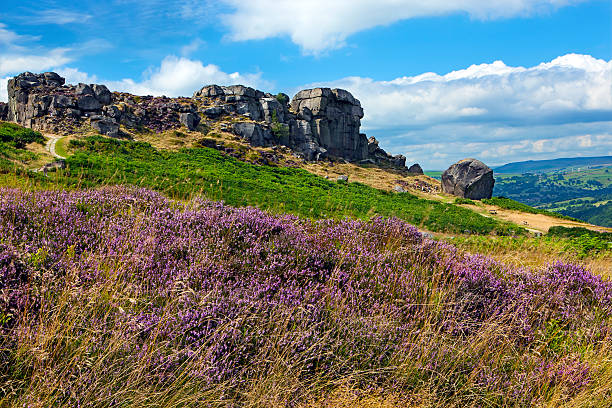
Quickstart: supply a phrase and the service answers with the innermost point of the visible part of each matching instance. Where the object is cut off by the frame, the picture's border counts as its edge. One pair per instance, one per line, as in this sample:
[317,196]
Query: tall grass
[120,297]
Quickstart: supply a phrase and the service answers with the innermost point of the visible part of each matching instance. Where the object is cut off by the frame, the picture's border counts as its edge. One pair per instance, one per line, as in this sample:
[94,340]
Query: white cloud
[569,88]
[74,76]
[533,143]
[182,76]
[58,16]
[15,57]
[494,111]
[192,47]
[174,77]
[318,25]
[3,90]
[13,63]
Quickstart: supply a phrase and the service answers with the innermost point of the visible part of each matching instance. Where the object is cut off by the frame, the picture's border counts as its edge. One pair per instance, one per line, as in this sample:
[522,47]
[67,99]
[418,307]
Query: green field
[206,172]
[583,194]
[434,174]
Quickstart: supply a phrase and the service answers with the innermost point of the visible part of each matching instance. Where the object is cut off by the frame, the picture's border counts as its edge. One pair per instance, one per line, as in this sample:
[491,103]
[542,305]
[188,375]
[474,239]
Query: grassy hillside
[119,297]
[13,140]
[510,204]
[581,194]
[189,172]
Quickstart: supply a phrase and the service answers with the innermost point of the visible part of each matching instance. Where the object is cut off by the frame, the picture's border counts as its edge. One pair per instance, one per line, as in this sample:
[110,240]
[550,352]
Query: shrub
[282,98]
[148,302]
[280,130]
[19,136]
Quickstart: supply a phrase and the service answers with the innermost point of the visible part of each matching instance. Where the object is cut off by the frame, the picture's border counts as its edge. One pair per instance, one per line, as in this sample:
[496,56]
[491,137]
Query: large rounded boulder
[468,178]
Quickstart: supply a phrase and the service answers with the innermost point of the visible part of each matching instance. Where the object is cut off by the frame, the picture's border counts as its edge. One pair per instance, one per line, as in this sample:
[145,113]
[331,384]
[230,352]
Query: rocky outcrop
[44,102]
[468,178]
[3,111]
[334,117]
[256,134]
[415,169]
[316,124]
[378,156]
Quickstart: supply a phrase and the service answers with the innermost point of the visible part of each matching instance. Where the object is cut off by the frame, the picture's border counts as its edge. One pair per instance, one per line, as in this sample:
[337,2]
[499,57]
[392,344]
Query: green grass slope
[201,171]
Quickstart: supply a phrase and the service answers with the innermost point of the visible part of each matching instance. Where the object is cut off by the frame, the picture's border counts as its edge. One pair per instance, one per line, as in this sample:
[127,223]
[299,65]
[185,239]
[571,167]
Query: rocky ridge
[316,124]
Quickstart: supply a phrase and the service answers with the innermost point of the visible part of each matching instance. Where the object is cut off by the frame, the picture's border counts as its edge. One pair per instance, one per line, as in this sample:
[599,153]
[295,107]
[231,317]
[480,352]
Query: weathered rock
[382,158]
[112,111]
[342,178]
[468,178]
[88,103]
[415,169]
[254,133]
[102,94]
[214,112]
[63,101]
[105,126]
[53,80]
[335,117]
[272,110]
[321,123]
[3,111]
[209,91]
[241,90]
[189,120]
[250,108]
[83,89]
[54,166]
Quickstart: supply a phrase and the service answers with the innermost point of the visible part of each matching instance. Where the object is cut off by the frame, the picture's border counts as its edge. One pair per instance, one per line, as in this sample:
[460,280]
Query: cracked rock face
[468,178]
[334,116]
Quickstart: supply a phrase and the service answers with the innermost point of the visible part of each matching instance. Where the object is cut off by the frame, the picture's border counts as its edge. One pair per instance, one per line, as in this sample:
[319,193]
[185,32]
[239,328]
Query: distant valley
[579,187]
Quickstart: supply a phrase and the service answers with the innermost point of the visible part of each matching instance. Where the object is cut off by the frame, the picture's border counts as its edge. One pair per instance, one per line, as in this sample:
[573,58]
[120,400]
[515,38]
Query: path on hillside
[50,146]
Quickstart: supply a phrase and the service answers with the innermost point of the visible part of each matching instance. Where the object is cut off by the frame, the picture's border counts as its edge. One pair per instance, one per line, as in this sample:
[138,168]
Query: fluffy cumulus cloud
[493,111]
[175,76]
[12,63]
[318,25]
[180,76]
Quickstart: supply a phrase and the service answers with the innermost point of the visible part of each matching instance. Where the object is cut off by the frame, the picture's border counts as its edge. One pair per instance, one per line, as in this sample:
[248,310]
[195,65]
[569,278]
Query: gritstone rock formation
[318,123]
[415,169]
[468,178]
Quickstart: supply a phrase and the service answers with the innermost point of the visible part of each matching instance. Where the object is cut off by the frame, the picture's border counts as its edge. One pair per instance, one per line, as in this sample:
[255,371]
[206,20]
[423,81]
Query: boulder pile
[317,123]
[44,102]
[468,178]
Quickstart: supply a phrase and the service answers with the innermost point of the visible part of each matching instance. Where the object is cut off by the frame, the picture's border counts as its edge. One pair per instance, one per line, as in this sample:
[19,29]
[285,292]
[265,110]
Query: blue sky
[500,80]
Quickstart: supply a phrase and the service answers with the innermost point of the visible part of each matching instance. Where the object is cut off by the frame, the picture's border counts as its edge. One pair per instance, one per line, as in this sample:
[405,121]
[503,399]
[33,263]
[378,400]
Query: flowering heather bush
[120,297]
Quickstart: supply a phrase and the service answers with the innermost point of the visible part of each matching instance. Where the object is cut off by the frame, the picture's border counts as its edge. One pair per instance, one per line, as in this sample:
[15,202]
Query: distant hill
[545,166]
[585,194]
